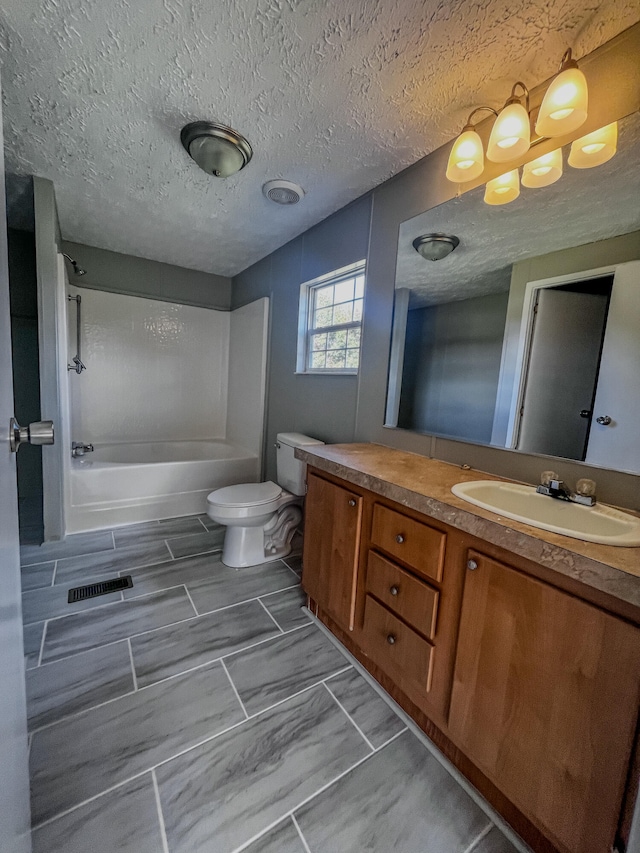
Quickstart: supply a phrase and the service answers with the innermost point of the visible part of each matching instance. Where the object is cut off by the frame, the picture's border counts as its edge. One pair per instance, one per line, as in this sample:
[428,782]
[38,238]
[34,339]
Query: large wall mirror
[527,336]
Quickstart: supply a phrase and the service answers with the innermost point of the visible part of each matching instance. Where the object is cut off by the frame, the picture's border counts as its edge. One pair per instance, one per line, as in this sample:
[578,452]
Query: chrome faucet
[79,449]
[554,487]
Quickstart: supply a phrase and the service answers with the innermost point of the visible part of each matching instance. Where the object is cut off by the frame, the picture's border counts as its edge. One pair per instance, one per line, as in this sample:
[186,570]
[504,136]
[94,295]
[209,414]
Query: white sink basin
[598,523]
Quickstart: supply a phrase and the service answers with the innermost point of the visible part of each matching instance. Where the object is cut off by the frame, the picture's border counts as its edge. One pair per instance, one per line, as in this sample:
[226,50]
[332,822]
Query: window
[330,322]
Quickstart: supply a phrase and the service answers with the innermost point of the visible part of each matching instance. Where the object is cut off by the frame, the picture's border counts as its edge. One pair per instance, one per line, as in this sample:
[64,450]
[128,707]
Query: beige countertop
[425,485]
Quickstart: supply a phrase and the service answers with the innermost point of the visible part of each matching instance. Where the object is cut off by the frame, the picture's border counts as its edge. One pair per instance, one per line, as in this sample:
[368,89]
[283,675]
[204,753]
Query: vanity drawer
[398,650]
[414,543]
[413,600]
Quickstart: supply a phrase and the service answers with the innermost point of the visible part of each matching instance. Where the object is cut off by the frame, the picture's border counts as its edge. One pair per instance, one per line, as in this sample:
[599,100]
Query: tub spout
[79,449]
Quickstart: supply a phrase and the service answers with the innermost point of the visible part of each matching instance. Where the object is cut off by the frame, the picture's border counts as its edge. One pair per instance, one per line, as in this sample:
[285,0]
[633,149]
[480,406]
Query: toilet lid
[246,494]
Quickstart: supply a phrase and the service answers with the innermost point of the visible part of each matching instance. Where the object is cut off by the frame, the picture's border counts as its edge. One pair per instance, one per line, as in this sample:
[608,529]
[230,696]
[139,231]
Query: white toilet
[262,518]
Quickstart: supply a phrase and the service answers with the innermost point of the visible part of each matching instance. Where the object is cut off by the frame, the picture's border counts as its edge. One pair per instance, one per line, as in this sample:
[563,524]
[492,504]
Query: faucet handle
[547,476]
[586,487]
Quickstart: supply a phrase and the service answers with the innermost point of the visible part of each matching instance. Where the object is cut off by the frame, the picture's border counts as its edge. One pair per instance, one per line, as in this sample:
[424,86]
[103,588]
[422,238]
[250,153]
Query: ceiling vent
[283,192]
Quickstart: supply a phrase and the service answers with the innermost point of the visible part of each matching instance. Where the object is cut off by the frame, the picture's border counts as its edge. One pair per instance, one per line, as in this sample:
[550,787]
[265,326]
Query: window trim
[304,320]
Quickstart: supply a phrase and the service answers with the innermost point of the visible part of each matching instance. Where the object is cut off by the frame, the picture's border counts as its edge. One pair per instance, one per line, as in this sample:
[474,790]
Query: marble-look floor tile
[401,799]
[156,531]
[37,576]
[79,757]
[294,561]
[283,838]
[174,573]
[225,586]
[209,523]
[176,648]
[32,643]
[72,546]
[370,713]
[228,790]
[274,670]
[102,625]
[494,842]
[52,601]
[66,687]
[286,608]
[83,569]
[121,821]
[197,543]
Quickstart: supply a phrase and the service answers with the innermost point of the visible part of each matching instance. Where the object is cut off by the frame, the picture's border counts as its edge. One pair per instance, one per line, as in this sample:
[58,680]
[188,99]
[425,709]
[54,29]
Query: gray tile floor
[203,712]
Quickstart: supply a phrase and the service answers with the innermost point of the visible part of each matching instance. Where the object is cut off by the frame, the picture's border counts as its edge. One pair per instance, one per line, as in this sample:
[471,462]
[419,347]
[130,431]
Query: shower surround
[172,401]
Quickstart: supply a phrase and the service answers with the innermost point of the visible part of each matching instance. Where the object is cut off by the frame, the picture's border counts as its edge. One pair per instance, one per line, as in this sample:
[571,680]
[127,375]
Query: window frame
[305,317]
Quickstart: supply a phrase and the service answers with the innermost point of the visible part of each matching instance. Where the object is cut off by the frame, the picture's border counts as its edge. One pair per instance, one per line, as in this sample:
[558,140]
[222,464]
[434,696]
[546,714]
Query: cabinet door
[545,701]
[333,518]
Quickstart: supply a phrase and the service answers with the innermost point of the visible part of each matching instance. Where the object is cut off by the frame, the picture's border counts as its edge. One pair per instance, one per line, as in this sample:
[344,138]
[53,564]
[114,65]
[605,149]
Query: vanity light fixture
[511,133]
[594,148]
[543,171]
[217,149]
[466,160]
[435,247]
[564,106]
[503,189]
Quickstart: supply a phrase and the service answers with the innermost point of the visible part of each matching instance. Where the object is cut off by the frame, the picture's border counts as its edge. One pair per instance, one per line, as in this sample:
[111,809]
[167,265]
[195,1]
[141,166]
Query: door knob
[39,432]
[399,538]
[603,420]
[472,565]
[352,502]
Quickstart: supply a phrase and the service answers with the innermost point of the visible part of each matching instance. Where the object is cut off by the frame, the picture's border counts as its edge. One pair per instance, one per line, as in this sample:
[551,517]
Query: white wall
[156,371]
[248,375]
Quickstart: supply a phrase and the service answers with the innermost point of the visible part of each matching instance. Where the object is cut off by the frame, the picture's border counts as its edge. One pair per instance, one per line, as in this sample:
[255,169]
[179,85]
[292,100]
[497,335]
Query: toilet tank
[291,471]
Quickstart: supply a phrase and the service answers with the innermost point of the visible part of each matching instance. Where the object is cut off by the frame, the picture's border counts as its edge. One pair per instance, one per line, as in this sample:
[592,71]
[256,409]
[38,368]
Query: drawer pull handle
[394,590]
[399,538]
[391,639]
[352,502]
[472,565]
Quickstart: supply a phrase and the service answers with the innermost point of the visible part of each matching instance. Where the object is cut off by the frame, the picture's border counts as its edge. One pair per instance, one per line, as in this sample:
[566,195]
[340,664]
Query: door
[615,443]
[562,372]
[333,518]
[545,701]
[14,779]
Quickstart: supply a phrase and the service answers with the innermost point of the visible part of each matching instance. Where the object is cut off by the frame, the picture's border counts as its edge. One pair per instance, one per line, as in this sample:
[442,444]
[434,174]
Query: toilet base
[252,546]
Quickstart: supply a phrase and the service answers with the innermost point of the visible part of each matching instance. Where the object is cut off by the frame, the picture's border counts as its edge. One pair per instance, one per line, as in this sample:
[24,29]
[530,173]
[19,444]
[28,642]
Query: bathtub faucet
[79,449]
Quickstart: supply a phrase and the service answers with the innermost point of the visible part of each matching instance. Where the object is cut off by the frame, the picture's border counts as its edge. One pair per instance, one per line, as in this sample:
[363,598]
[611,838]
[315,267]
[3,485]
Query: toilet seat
[245,495]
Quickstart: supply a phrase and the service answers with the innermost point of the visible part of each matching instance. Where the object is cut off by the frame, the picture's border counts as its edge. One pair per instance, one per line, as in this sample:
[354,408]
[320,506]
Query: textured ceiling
[335,96]
[585,205]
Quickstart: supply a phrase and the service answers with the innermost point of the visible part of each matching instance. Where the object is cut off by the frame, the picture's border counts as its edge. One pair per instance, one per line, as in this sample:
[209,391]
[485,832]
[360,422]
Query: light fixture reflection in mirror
[455,372]
[503,189]
[543,171]
[594,148]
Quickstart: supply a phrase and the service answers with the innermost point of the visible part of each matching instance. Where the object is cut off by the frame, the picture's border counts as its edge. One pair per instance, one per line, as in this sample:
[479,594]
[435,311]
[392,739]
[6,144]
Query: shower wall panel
[156,371]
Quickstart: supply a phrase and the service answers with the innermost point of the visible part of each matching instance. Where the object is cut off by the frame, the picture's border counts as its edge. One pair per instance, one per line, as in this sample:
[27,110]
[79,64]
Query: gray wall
[140,277]
[451,367]
[321,406]
[325,406]
[26,378]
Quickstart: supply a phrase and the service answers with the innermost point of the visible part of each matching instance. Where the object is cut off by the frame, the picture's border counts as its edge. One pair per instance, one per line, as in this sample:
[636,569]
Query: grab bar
[77,365]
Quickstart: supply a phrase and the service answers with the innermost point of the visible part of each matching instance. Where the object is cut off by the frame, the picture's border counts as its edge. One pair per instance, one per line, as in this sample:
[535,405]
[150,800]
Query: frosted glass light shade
[543,171]
[594,148]
[564,106]
[510,135]
[504,189]
[466,160]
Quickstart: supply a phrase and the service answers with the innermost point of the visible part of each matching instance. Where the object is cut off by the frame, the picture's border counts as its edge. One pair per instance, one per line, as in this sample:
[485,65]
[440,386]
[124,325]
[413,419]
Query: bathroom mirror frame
[421,283]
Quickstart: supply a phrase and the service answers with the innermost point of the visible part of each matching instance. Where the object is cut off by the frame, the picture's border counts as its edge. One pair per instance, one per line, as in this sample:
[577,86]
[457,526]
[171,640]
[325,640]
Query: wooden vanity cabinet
[333,520]
[545,701]
[530,690]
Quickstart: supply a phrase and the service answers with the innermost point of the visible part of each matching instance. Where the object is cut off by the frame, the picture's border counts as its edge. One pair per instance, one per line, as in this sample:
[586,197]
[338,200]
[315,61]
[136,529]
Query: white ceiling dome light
[219,150]
[283,192]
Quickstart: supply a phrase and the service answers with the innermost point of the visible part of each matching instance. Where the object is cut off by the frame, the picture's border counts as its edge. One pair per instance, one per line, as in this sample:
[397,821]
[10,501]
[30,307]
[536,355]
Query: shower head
[77,269]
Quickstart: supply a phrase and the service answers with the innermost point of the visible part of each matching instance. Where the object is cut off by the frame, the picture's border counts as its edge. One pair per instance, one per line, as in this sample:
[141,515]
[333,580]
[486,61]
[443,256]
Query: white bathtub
[127,483]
